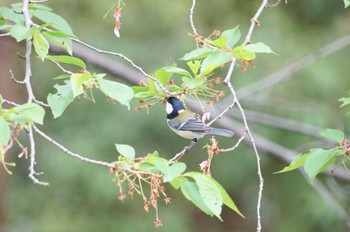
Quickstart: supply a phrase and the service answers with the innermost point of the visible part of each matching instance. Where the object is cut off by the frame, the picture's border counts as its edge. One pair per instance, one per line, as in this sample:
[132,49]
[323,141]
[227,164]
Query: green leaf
[174,171]
[345,100]
[62,76]
[141,91]
[19,32]
[226,198]
[163,76]
[117,91]
[31,112]
[61,39]
[57,21]
[177,70]
[126,150]
[346,3]
[39,7]
[194,66]
[193,83]
[176,183]
[318,161]
[213,61]
[10,15]
[191,191]
[197,54]
[1,101]
[258,48]
[68,60]
[239,53]
[59,101]
[41,45]
[335,135]
[209,192]
[77,80]
[228,38]
[5,132]
[298,161]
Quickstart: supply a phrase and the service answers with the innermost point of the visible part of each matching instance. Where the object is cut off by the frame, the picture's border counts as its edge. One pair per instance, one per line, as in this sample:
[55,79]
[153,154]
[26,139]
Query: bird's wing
[194,124]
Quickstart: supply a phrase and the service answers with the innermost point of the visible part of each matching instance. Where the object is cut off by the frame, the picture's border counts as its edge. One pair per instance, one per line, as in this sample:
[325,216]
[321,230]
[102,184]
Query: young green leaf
[318,161]
[117,91]
[32,112]
[59,101]
[345,100]
[194,66]
[258,48]
[239,53]
[57,21]
[19,32]
[77,81]
[346,3]
[10,15]
[174,171]
[141,91]
[126,151]
[191,191]
[197,54]
[209,192]
[68,60]
[163,76]
[226,198]
[177,70]
[193,83]
[61,39]
[298,161]
[176,183]
[213,61]
[41,45]
[335,135]
[228,38]
[5,132]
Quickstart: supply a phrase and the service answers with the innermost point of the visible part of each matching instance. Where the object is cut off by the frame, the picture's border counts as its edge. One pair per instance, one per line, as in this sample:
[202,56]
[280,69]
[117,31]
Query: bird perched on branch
[186,124]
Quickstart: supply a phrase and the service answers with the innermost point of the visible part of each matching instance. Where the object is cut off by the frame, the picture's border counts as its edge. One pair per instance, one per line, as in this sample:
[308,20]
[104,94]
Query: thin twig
[183,151]
[236,145]
[191,17]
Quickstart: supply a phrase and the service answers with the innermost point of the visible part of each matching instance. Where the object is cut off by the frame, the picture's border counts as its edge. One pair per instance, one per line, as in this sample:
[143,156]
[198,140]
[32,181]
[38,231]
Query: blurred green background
[82,197]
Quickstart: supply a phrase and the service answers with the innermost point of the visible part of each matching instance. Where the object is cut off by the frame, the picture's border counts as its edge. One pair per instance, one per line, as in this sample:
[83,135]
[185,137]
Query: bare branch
[191,17]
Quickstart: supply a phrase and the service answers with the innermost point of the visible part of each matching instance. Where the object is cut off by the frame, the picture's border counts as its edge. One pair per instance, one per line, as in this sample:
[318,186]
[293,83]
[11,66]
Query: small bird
[186,124]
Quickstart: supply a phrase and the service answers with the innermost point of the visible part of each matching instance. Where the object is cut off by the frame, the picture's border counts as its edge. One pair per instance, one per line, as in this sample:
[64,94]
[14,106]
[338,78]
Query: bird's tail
[221,132]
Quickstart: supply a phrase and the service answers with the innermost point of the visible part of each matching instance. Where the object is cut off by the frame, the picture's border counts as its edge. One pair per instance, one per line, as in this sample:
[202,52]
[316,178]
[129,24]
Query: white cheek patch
[169,108]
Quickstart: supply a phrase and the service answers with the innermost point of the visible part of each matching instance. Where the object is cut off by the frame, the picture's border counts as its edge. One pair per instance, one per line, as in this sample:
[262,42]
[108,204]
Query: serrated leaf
[209,192]
[318,161]
[335,135]
[226,198]
[41,45]
[59,101]
[163,76]
[61,39]
[5,132]
[68,60]
[213,61]
[298,161]
[193,83]
[258,48]
[117,91]
[191,191]
[126,150]
[77,81]
[31,112]
[57,21]
[197,54]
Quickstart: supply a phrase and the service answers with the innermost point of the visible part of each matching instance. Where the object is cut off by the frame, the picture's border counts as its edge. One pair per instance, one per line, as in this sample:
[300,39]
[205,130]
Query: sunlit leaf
[214,61]
[77,80]
[335,135]
[258,48]
[298,161]
[30,111]
[197,54]
[192,83]
[41,45]
[60,100]
[61,39]
[68,60]
[126,150]
[318,161]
